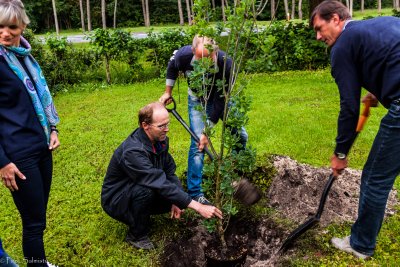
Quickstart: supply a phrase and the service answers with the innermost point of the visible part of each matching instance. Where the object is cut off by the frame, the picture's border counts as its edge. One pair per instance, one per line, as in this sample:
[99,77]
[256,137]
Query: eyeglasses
[162,126]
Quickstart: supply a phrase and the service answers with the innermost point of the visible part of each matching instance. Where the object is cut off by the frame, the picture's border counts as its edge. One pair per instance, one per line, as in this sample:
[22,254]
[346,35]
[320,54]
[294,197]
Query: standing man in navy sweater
[182,61]
[364,54]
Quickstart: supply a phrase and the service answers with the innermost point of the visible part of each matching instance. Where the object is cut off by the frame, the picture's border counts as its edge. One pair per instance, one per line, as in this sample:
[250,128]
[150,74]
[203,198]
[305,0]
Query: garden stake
[316,218]
[245,192]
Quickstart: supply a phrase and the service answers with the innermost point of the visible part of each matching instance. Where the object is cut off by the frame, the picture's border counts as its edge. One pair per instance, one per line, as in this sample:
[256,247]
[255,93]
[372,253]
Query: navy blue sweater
[21,134]
[366,54]
[181,61]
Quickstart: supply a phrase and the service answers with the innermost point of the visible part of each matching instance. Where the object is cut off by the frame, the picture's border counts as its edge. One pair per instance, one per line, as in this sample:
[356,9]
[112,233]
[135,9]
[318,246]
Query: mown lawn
[293,113]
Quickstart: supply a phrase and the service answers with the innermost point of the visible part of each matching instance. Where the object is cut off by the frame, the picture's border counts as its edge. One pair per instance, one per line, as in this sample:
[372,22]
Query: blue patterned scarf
[38,91]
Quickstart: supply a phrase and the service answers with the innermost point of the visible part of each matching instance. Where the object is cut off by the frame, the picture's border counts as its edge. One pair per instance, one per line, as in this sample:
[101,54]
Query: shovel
[315,219]
[245,192]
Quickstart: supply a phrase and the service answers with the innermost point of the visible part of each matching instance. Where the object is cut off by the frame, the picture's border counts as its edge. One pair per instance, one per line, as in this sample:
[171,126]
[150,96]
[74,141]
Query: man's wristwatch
[340,155]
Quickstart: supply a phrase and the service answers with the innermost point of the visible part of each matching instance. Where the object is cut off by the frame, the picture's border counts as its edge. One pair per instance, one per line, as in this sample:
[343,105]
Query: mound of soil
[294,193]
[297,188]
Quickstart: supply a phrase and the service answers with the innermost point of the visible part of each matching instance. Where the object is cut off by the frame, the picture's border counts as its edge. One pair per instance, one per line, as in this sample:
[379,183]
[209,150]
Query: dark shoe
[140,243]
[202,199]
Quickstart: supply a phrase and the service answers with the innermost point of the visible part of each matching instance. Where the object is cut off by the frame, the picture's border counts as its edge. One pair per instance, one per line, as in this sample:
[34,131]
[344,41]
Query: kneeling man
[141,180]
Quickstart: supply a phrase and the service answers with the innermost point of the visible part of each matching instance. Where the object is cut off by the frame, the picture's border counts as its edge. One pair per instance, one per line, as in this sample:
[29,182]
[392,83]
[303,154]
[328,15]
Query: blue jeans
[31,201]
[196,158]
[379,174]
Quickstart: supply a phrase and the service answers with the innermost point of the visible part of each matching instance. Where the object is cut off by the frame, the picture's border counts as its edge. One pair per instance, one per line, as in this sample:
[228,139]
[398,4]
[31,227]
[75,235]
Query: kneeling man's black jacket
[137,162]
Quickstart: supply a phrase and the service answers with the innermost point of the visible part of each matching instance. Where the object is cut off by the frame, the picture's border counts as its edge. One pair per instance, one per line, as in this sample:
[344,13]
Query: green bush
[282,46]
[163,44]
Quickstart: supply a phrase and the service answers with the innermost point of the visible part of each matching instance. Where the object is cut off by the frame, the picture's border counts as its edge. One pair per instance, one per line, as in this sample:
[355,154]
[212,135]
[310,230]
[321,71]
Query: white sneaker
[51,265]
[344,245]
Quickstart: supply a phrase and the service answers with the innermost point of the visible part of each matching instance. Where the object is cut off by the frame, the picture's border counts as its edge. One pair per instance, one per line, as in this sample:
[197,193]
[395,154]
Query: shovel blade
[246,193]
[298,232]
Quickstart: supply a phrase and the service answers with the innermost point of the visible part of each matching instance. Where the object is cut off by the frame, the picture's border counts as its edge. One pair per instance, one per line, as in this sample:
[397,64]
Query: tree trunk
[82,15]
[351,7]
[362,6]
[313,4]
[89,20]
[287,14]
[189,12]
[379,6]
[300,9]
[103,13]
[261,5]
[347,4]
[293,8]
[55,16]
[108,73]
[181,21]
[213,4]
[272,9]
[144,12]
[115,14]
[147,13]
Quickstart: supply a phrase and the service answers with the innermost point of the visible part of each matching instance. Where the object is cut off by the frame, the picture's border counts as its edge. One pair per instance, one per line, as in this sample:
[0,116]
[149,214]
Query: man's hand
[176,212]
[338,165]
[373,101]
[8,174]
[166,98]
[206,211]
[203,142]
[54,142]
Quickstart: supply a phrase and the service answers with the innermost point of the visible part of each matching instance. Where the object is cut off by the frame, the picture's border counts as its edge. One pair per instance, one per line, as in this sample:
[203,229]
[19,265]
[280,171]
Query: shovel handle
[363,117]
[194,136]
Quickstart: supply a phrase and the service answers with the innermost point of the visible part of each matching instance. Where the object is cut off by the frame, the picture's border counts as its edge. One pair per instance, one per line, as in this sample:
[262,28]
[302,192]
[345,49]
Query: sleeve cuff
[170,82]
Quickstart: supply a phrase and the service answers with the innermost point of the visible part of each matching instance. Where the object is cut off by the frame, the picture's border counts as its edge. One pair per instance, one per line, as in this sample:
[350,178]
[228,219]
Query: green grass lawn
[293,113]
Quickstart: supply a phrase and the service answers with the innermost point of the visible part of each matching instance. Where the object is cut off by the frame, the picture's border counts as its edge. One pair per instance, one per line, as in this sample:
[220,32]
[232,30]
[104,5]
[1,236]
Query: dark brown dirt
[294,193]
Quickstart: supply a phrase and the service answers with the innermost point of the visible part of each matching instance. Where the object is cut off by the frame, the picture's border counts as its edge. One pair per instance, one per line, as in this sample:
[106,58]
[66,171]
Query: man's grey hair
[206,41]
[13,12]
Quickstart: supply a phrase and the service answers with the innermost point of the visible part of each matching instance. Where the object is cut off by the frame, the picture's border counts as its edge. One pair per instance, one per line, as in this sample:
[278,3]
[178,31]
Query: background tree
[89,19]
[55,16]
[82,15]
[273,9]
[146,13]
[287,14]
[362,6]
[115,14]
[103,14]
[300,9]
[293,8]
[180,11]
[189,12]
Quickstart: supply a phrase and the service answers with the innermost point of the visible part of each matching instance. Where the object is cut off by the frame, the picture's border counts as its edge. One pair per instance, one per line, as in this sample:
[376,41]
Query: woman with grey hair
[28,132]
